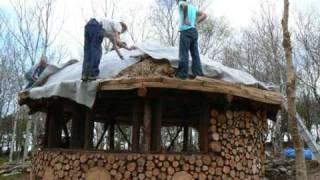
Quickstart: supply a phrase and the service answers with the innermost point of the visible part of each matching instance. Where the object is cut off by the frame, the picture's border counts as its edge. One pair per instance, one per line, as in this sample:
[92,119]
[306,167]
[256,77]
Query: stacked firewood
[238,142]
[236,152]
[123,166]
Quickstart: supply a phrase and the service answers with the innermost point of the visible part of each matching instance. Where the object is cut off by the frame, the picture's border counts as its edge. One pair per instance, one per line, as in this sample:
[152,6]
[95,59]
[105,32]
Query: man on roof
[95,31]
[35,71]
[189,18]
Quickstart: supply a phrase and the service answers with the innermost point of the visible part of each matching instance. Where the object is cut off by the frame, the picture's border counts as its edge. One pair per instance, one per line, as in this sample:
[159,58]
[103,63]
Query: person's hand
[132,48]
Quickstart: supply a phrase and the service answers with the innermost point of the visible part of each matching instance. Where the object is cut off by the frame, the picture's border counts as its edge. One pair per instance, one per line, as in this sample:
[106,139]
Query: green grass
[3,159]
[23,176]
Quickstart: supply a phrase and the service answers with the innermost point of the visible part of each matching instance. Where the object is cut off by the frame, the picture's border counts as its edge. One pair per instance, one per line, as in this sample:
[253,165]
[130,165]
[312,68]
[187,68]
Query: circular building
[144,124]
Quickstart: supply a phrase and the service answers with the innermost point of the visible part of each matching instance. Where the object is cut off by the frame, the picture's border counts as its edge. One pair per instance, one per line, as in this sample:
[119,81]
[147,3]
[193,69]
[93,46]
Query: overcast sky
[239,14]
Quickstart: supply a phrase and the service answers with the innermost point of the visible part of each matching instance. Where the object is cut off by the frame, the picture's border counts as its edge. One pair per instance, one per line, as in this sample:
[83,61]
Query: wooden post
[111,135]
[185,124]
[136,125]
[55,112]
[204,126]
[77,129]
[46,130]
[88,129]
[147,126]
[185,134]
[156,126]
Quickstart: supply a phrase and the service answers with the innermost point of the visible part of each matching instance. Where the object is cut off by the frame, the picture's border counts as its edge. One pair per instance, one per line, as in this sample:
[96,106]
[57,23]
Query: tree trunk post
[88,130]
[204,127]
[27,140]
[301,172]
[136,117]
[77,128]
[156,126]
[111,135]
[147,126]
[55,113]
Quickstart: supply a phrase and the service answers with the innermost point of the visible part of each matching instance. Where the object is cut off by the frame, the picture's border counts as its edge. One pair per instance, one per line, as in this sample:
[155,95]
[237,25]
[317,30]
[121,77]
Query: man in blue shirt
[189,18]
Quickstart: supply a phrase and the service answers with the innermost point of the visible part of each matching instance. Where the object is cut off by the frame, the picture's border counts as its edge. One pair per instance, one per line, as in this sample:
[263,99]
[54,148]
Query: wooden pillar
[55,112]
[136,117]
[46,129]
[147,126]
[185,135]
[111,135]
[88,129]
[156,126]
[204,126]
[186,121]
[77,129]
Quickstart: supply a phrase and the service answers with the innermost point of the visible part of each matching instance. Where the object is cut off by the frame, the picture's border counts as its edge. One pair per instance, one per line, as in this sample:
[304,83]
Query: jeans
[29,80]
[189,41]
[30,83]
[93,37]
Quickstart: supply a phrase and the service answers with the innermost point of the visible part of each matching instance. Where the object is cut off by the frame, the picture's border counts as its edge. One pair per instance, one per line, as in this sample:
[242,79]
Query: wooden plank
[55,123]
[136,117]
[179,82]
[147,126]
[77,127]
[88,129]
[204,127]
[201,84]
[131,80]
[212,86]
[156,126]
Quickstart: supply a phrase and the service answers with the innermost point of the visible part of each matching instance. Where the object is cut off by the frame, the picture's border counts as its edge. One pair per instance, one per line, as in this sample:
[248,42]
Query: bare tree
[33,34]
[308,39]
[138,29]
[164,19]
[301,171]
[215,36]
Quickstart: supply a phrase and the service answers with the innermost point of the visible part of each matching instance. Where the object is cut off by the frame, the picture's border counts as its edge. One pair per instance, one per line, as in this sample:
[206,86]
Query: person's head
[124,27]
[43,61]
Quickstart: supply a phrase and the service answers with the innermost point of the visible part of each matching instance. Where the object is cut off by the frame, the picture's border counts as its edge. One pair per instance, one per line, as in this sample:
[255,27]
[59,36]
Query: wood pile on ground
[279,169]
[13,168]
[284,169]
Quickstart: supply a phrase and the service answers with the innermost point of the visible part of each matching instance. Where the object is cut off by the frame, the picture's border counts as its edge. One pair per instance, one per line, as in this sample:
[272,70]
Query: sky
[75,13]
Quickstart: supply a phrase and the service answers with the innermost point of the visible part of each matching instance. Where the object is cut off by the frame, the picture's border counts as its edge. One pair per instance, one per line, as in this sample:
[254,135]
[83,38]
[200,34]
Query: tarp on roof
[65,82]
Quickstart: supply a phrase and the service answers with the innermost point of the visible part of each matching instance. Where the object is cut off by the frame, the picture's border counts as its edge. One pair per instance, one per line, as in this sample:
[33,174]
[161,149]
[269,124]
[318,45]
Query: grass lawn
[23,176]
[3,159]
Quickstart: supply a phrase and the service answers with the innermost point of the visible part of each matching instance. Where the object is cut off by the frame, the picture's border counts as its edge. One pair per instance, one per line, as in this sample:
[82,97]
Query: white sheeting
[66,82]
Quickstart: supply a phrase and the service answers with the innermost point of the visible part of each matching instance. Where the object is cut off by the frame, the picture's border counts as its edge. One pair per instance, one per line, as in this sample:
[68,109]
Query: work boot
[84,78]
[92,78]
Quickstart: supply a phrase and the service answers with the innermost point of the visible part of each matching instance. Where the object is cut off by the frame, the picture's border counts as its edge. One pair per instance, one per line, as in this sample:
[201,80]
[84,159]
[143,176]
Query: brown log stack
[236,152]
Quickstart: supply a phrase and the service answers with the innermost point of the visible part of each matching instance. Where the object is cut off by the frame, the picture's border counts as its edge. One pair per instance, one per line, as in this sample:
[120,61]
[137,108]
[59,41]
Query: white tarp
[66,82]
